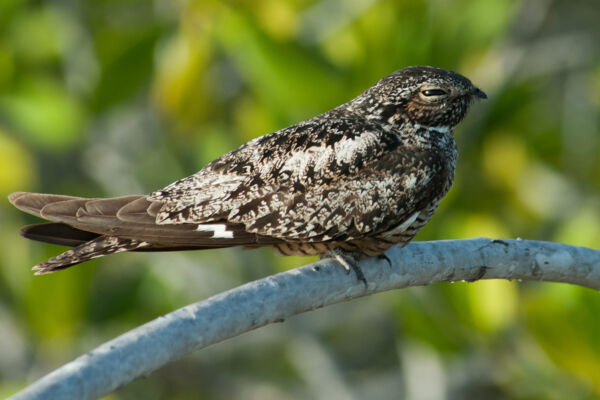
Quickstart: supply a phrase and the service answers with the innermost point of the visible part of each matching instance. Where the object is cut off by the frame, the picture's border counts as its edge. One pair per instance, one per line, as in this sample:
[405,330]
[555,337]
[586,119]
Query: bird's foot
[348,260]
[386,258]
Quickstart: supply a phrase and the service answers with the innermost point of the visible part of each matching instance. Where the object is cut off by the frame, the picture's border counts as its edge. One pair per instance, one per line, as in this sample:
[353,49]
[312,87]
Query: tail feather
[101,246]
[98,227]
[57,233]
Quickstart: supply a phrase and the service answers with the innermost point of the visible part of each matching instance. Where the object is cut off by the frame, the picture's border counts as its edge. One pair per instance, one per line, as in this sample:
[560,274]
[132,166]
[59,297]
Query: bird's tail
[99,227]
[101,246]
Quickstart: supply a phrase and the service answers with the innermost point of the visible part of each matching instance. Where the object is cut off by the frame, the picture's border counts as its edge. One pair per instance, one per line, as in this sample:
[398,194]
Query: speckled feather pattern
[361,177]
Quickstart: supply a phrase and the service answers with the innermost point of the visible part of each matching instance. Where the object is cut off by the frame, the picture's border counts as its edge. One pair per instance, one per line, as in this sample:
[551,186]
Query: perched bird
[348,183]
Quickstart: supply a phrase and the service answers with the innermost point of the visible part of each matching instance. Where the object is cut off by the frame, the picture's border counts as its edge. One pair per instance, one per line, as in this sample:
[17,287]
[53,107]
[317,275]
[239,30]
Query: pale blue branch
[275,298]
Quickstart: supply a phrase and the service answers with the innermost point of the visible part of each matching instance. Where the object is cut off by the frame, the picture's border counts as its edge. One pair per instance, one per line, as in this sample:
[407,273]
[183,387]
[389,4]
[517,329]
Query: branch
[274,298]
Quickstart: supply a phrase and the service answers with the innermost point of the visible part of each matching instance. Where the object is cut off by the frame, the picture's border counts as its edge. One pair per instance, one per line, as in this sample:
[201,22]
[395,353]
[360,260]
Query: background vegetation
[106,98]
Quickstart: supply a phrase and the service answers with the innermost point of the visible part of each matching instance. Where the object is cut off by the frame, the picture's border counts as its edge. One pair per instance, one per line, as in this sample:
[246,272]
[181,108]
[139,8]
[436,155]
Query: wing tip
[34,203]
[13,197]
[26,202]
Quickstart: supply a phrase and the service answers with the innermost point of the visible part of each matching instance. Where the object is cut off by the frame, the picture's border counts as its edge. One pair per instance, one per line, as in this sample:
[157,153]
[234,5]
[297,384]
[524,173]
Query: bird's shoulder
[330,144]
[323,154]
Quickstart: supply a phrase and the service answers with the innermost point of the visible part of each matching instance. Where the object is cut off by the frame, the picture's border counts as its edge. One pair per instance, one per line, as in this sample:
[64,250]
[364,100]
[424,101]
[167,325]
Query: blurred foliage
[106,98]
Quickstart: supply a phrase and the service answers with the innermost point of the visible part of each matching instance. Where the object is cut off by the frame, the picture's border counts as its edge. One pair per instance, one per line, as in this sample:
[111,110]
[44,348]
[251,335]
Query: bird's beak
[476,92]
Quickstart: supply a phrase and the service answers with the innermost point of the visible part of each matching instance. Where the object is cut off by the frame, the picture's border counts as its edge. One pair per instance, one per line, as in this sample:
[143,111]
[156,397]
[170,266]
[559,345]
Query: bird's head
[428,96]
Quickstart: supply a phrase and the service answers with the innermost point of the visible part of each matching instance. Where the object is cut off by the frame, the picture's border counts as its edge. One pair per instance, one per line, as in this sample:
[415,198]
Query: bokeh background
[107,98]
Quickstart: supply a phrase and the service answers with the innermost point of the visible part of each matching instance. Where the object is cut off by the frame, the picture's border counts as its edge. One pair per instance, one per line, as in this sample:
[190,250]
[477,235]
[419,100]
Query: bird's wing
[76,220]
[334,180]
[379,197]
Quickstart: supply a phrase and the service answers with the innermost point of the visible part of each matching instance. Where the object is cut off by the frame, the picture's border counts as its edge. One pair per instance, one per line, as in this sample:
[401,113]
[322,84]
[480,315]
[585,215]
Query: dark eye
[433,92]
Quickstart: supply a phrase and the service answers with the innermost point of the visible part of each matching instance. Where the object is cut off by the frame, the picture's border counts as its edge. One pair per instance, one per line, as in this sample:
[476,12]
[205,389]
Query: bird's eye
[433,92]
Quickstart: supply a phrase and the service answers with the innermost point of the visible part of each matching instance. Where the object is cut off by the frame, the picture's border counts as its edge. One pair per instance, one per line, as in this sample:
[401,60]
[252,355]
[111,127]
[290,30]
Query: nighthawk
[348,183]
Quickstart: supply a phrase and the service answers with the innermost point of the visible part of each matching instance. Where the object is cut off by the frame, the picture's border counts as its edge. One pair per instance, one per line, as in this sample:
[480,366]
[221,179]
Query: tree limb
[274,298]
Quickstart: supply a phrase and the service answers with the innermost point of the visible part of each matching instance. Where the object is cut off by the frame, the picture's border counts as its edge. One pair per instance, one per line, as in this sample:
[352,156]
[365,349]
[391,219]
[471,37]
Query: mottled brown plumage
[350,182]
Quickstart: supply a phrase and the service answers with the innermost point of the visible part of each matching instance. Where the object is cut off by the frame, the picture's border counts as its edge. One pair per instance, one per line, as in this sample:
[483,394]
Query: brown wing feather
[96,227]
[32,203]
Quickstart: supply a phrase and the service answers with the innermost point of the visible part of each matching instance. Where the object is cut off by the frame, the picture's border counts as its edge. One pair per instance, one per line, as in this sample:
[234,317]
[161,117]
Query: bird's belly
[370,246]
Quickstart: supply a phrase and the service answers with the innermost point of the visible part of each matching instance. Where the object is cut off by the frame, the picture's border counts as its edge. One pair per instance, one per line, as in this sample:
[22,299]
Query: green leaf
[45,114]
